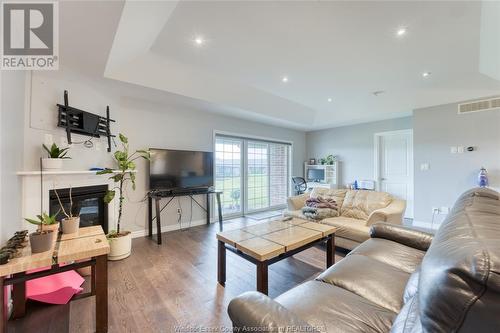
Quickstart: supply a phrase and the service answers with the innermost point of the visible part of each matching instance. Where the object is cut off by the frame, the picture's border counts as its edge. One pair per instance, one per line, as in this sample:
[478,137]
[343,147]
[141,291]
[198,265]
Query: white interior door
[394,165]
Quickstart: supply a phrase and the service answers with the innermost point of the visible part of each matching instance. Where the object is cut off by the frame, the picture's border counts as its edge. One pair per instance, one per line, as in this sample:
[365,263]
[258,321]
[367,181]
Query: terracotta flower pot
[71,225]
[41,241]
[120,247]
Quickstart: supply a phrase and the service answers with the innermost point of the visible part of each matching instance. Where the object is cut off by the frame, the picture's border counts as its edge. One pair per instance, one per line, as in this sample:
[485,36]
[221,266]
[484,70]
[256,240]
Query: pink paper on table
[54,289]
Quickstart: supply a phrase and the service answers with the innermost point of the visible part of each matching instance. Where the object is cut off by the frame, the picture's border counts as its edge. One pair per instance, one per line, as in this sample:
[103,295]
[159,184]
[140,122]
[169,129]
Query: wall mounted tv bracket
[82,122]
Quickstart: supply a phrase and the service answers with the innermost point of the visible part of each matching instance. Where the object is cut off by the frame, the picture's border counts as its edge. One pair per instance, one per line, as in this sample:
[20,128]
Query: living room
[222,109]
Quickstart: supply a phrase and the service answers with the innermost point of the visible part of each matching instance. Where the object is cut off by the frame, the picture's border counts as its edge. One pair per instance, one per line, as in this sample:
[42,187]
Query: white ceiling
[339,50]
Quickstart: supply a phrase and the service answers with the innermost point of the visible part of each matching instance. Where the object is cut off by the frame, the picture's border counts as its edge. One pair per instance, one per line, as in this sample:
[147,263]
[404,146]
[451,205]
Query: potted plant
[70,223]
[42,239]
[120,240]
[55,157]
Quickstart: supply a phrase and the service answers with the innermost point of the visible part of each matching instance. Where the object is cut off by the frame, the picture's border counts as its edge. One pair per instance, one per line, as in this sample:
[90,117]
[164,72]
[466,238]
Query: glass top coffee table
[266,243]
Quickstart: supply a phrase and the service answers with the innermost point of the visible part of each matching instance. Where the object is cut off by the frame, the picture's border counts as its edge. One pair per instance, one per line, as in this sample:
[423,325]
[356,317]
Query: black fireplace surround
[88,203]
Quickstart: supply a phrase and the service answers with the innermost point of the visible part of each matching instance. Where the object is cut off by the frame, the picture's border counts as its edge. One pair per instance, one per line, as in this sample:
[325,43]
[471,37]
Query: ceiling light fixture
[329,100]
[199,41]
[284,79]
[401,32]
[426,74]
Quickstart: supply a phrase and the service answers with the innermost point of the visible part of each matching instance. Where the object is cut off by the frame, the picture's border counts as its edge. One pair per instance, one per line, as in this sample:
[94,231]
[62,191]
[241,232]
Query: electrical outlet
[444,210]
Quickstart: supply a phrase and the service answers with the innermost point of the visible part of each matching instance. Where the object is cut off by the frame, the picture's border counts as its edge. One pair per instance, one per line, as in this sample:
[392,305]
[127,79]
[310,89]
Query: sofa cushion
[360,204]
[326,193]
[333,309]
[349,228]
[392,253]
[294,213]
[382,284]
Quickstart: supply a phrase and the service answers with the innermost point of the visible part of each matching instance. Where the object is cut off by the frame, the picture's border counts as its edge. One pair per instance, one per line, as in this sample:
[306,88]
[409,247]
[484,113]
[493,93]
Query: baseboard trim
[167,228]
[426,225]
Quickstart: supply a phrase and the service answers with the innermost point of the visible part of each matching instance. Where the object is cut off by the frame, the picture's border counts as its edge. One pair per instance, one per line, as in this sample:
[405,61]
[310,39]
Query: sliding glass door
[253,174]
[257,176]
[228,174]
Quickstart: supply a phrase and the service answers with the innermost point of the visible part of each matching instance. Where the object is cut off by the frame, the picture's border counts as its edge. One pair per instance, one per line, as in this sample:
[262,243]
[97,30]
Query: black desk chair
[299,184]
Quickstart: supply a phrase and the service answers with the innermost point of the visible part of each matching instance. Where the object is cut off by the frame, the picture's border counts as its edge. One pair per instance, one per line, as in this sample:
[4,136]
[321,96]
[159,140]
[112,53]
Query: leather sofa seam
[484,278]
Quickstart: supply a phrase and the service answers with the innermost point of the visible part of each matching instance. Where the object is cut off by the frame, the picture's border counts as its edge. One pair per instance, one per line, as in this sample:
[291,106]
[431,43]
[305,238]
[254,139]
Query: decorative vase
[483,178]
[120,247]
[52,164]
[41,241]
[71,225]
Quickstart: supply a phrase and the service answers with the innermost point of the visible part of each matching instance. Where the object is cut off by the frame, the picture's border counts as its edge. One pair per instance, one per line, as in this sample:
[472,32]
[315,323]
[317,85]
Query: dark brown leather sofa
[400,280]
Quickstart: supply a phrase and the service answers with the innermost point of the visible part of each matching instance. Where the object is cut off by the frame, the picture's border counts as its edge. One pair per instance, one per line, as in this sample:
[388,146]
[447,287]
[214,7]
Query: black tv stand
[157,195]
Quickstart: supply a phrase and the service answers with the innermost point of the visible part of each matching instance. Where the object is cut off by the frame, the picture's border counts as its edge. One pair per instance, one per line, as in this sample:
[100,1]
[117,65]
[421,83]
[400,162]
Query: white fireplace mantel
[50,180]
[61,172]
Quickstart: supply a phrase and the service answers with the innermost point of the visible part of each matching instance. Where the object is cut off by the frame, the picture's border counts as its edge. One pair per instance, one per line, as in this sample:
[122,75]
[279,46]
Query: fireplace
[88,203]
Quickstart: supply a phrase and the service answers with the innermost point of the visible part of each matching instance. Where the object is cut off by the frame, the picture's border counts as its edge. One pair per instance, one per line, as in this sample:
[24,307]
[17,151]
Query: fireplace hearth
[88,203]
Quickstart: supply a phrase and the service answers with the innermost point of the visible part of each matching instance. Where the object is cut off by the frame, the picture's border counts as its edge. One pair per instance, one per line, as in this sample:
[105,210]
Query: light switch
[424,166]
[460,149]
[453,149]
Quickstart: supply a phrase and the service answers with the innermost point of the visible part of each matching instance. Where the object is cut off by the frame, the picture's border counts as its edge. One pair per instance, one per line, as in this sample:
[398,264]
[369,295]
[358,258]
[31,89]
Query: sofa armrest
[297,202]
[256,312]
[407,236]
[393,213]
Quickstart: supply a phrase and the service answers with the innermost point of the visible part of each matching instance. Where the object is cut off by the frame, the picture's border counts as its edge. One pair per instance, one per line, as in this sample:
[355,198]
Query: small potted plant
[71,223]
[55,157]
[42,239]
[120,240]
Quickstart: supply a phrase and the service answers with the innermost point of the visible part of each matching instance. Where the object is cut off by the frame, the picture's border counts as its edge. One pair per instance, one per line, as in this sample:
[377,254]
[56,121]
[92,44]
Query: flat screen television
[316,175]
[180,169]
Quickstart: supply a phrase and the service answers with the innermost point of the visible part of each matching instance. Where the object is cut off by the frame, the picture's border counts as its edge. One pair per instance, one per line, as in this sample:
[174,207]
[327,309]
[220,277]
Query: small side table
[89,243]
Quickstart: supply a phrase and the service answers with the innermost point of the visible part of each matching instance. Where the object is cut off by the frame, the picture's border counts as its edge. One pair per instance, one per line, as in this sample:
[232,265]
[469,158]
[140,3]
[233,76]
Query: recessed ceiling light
[284,79]
[329,100]
[199,41]
[401,31]
[426,74]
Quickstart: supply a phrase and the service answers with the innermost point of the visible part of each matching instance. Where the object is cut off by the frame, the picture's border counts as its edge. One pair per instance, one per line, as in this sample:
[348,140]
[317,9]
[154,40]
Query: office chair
[299,184]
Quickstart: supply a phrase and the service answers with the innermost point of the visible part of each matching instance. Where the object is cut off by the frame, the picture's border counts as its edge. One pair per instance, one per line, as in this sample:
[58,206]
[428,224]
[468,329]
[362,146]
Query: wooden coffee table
[266,243]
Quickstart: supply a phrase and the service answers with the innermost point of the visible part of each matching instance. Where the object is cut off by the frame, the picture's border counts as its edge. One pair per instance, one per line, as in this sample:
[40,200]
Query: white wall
[435,130]
[149,120]
[353,144]
[11,142]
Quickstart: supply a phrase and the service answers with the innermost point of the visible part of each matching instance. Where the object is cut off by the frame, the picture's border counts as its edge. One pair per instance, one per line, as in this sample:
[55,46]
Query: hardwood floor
[159,288]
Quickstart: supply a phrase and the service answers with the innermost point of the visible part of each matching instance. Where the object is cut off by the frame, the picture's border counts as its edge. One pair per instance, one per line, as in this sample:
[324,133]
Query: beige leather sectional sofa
[358,211]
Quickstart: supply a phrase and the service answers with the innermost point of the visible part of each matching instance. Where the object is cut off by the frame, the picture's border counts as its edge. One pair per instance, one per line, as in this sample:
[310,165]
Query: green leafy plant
[43,219]
[125,173]
[329,160]
[56,152]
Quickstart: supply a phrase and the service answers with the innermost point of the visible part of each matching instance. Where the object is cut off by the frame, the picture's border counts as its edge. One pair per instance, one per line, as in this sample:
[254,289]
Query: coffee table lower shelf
[262,265]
